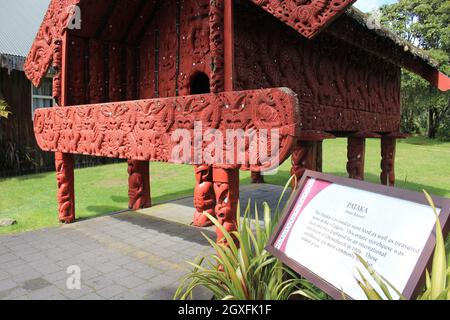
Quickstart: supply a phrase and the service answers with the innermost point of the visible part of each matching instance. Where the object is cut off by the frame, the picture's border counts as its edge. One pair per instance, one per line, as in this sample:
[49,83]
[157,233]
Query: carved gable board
[308,17]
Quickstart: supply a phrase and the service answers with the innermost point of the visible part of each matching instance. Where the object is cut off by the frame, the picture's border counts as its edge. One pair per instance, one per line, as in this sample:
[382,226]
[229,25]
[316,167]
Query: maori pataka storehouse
[130,73]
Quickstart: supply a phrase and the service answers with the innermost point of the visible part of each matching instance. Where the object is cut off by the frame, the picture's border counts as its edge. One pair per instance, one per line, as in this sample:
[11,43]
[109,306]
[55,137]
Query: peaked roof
[307,17]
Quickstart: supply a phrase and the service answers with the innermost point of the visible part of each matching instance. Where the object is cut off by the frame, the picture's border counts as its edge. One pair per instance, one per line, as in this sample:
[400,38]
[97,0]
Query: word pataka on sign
[331,220]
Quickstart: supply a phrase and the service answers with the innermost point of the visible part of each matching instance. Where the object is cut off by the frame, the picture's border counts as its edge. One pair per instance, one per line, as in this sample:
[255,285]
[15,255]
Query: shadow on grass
[422,141]
[402,184]
[283,176]
[33,176]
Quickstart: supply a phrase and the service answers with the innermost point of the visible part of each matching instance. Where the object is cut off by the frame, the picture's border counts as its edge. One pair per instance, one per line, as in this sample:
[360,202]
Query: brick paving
[127,255]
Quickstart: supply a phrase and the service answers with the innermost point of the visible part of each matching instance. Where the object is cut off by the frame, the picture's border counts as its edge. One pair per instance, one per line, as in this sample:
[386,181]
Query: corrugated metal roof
[19,24]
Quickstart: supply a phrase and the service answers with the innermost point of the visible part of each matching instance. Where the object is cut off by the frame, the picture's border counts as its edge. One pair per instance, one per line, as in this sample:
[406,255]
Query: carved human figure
[388,146]
[138,185]
[204,197]
[226,188]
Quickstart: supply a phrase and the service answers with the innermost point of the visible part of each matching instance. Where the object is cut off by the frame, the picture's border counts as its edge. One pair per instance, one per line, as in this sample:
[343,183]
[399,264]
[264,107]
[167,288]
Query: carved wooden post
[303,158]
[307,152]
[388,146]
[257,177]
[356,149]
[139,185]
[204,198]
[64,164]
[226,188]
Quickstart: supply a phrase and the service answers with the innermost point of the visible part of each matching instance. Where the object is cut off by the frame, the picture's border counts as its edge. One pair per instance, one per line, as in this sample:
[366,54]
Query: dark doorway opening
[199,83]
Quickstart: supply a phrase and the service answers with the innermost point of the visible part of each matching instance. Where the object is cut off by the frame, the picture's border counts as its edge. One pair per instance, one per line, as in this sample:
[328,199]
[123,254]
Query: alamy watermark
[74,22]
[253,147]
[73,282]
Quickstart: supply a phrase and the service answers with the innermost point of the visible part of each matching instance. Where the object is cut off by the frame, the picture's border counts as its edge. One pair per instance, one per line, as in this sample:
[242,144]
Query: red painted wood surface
[132,68]
[341,88]
[64,163]
[141,129]
[308,17]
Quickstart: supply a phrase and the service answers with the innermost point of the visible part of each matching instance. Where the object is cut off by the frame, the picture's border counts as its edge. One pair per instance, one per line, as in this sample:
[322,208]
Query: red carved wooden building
[137,70]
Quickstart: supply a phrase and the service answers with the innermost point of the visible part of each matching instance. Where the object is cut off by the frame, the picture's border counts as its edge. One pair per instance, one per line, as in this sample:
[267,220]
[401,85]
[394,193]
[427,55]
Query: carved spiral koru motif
[142,129]
[308,17]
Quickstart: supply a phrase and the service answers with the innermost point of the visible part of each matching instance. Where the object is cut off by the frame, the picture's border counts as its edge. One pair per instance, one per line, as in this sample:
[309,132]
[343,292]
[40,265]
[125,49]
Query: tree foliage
[426,24]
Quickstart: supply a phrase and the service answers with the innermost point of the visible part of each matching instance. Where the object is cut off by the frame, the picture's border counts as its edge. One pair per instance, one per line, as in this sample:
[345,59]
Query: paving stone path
[127,255]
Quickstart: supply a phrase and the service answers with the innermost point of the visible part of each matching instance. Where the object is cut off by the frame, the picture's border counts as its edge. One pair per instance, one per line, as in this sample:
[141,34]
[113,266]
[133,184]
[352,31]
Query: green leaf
[439,269]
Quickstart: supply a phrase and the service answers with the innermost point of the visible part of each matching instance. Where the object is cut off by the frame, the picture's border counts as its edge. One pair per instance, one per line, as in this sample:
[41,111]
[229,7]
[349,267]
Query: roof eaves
[363,19]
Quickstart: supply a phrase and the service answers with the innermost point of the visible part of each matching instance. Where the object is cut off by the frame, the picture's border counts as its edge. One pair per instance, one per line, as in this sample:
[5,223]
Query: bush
[437,284]
[243,269]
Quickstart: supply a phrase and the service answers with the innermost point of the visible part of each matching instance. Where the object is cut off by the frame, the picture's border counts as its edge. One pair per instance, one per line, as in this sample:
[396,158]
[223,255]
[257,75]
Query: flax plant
[243,269]
[4,113]
[437,283]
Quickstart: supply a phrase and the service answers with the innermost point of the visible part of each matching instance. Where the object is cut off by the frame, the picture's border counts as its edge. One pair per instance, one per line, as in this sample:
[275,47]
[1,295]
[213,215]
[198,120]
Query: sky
[369,5]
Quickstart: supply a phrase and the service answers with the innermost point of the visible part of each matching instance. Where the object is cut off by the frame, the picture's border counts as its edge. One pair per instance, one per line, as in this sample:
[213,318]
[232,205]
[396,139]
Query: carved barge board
[307,17]
[142,129]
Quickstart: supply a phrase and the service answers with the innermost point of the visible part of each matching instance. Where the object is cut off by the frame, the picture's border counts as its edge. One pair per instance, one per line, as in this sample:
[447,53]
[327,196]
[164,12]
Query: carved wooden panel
[308,17]
[217,45]
[97,72]
[194,42]
[122,14]
[76,69]
[168,49]
[131,73]
[115,70]
[142,129]
[341,88]
[146,67]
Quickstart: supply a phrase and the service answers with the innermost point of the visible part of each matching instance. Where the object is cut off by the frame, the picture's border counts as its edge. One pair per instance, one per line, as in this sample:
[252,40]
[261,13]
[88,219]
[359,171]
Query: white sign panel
[329,223]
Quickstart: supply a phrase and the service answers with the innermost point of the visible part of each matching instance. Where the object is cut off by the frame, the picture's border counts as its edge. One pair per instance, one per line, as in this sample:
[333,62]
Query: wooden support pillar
[388,146]
[204,198]
[307,152]
[257,177]
[356,149]
[226,188]
[64,164]
[139,185]
[356,153]
[303,158]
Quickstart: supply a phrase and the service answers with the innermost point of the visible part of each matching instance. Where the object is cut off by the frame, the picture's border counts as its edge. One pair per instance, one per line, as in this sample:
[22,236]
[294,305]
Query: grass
[31,200]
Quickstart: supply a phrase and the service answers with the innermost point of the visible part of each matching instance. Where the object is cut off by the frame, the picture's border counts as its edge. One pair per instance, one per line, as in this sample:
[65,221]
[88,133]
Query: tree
[426,24]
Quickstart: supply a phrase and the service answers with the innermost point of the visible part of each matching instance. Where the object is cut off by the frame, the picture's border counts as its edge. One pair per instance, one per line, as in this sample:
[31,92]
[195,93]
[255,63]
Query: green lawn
[421,164]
